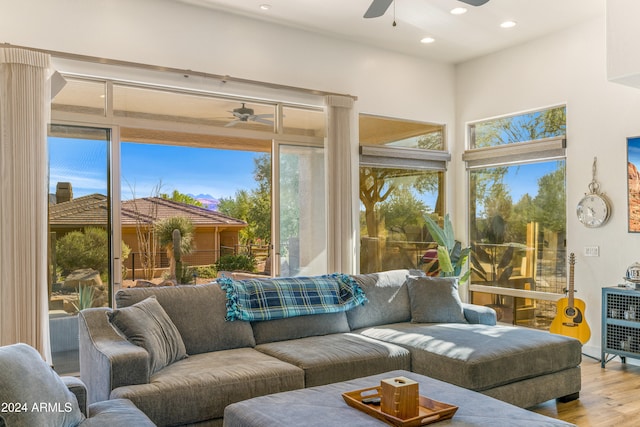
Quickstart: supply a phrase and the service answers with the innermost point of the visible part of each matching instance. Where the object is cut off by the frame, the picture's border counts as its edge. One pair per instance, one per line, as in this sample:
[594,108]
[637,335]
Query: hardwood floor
[609,397]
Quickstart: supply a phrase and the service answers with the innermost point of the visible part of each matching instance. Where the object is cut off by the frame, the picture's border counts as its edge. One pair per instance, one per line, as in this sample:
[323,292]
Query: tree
[145,234]
[253,206]
[402,211]
[177,196]
[86,249]
[164,232]
[550,201]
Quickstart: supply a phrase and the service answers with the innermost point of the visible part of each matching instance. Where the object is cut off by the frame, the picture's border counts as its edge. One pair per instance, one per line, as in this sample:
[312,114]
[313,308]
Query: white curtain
[340,201]
[24,115]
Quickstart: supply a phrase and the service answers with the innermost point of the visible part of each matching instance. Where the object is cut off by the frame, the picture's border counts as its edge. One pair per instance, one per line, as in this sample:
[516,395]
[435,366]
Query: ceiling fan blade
[474,2]
[263,121]
[232,123]
[377,8]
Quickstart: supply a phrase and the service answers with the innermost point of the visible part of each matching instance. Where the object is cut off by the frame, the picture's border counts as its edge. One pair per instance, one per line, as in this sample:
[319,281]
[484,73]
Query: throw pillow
[33,394]
[147,325]
[435,300]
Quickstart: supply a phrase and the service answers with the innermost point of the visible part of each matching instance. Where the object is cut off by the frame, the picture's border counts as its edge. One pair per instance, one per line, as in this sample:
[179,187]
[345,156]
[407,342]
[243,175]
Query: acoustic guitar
[570,319]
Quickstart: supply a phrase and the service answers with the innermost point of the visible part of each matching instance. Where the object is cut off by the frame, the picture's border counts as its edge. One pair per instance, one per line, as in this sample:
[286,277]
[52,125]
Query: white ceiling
[458,38]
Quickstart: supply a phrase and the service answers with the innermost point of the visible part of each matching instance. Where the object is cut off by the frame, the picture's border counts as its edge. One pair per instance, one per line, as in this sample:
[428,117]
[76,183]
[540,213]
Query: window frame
[511,154]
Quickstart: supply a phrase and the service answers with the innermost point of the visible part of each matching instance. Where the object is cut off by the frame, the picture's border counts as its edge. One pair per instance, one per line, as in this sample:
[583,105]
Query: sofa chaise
[409,323]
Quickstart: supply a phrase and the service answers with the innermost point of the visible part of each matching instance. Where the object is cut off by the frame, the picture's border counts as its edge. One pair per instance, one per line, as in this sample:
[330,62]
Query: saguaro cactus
[177,253]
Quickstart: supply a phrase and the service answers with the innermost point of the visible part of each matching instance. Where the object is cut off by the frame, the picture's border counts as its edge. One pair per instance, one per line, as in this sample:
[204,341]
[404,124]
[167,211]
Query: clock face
[593,210]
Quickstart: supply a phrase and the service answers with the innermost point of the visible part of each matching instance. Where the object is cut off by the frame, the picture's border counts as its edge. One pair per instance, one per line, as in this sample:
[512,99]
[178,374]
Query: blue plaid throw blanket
[277,298]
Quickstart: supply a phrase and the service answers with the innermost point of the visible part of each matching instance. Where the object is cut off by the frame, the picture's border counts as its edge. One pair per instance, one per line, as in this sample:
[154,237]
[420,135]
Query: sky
[633,151]
[523,179]
[195,171]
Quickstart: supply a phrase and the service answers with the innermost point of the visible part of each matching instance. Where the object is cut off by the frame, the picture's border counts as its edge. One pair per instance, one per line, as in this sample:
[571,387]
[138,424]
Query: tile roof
[92,210]
[168,208]
[83,211]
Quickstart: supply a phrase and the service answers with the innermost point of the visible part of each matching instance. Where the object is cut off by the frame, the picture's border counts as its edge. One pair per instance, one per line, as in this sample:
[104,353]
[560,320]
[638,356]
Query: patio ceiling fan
[245,114]
[379,7]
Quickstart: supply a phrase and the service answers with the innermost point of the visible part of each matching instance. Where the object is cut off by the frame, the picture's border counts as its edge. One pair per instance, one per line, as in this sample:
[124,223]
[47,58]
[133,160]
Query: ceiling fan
[379,7]
[245,114]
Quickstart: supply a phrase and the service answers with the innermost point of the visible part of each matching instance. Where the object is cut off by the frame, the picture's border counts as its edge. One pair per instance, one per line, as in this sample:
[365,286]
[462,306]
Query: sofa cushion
[435,300]
[116,412]
[299,327]
[147,325]
[26,383]
[338,357]
[198,312]
[198,388]
[388,299]
[480,357]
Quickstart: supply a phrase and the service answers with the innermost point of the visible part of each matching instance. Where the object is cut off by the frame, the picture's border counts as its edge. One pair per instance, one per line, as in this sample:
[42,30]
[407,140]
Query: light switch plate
[591,251]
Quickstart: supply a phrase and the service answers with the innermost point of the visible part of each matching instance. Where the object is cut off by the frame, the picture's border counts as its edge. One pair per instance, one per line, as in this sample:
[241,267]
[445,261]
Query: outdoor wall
[566,68]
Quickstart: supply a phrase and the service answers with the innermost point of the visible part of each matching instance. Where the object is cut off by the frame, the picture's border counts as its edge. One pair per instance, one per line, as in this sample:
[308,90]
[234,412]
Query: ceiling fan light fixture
[458,11]
[427,40]
[508,24]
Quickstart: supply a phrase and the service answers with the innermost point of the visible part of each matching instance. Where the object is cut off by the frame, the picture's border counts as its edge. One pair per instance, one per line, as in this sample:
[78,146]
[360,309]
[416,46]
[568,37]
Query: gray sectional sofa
[233,361]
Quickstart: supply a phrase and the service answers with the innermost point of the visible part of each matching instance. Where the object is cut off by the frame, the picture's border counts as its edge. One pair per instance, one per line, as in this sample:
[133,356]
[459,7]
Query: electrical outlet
[591,251]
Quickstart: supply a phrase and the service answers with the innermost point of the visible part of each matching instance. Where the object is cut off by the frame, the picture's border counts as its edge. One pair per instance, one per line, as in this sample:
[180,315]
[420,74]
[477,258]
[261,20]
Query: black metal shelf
[620,324]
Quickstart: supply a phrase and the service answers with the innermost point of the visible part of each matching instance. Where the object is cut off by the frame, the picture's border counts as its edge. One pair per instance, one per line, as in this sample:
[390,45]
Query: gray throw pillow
[435,300]
[147,325]
[32,393]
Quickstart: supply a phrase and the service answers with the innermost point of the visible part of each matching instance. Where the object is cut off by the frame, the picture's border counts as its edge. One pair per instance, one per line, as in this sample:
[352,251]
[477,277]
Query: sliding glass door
[79,233]
[300,206]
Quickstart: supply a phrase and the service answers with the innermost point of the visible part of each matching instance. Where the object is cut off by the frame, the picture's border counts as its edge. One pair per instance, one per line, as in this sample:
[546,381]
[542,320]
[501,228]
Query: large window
[517,215]
[402,166]
[147,153]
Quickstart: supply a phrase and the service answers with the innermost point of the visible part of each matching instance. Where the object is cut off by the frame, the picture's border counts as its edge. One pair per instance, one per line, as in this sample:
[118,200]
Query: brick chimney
[64,192]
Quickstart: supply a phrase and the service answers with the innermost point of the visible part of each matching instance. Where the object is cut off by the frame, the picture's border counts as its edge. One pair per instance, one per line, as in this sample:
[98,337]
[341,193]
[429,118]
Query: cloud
[82,182]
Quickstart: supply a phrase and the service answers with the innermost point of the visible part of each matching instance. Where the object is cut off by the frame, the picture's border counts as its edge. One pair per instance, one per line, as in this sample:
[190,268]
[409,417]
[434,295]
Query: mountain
[633,185]
[207,200]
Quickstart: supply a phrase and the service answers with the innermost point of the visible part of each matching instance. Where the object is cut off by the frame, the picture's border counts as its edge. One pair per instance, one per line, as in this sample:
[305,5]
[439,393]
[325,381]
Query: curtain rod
[225,78]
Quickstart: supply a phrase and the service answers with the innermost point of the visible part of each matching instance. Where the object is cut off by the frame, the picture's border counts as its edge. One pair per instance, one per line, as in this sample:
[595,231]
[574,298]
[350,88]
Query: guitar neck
[571,291]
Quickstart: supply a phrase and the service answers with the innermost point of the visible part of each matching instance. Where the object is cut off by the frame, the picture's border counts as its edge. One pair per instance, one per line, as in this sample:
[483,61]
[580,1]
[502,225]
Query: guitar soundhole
[570,311]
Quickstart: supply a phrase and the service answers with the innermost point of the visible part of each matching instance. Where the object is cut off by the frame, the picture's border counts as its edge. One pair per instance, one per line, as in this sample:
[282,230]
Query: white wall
[569,67]
[172,34]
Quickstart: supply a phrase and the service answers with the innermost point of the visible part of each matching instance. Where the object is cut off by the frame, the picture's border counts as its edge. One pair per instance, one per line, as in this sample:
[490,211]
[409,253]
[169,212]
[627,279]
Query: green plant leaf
[436,232]
[506,257]
[448,233]
[477,265]
[506,273]
[444,260]
[465,277]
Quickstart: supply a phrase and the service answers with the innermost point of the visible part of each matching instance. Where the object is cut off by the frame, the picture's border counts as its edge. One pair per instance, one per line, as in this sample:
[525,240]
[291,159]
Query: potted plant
[451,256]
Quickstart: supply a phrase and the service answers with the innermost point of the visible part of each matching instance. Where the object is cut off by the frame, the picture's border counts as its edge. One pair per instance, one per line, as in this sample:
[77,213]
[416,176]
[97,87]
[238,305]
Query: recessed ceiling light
[458,10]
[508,24]
[427,40]
[265,6]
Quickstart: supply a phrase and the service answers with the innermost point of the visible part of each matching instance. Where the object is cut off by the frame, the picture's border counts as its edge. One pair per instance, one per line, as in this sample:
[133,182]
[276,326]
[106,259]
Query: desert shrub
[236,263]
[206,271]
[85,249]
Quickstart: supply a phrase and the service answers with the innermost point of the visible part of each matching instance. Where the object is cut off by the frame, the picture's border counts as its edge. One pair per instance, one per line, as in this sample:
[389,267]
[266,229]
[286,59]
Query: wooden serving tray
[430,411]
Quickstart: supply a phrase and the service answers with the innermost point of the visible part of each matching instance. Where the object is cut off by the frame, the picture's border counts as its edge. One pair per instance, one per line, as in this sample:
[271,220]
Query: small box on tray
[400,397]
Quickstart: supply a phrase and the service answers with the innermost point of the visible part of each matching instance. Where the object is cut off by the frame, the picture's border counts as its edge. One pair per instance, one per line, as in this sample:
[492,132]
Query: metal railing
[134,266]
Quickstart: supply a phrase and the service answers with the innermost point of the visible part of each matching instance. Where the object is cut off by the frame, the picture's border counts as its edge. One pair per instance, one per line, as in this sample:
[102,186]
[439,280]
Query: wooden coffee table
[324,406]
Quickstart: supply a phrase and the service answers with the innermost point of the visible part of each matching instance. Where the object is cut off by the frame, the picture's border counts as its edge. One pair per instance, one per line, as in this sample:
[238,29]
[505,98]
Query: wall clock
[593,209]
